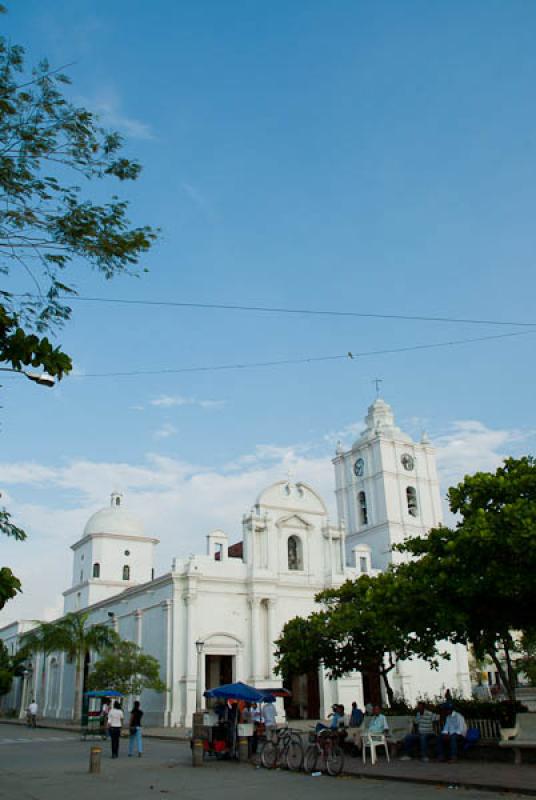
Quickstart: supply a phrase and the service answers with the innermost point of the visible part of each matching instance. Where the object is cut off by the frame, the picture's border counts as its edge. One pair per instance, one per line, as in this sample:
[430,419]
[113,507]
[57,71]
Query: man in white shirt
[32,714]
[378,723]
[268,715]
[453,734]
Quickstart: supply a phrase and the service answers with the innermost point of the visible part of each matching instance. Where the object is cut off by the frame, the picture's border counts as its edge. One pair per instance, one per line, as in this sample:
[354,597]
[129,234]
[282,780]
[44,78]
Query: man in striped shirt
[424,732]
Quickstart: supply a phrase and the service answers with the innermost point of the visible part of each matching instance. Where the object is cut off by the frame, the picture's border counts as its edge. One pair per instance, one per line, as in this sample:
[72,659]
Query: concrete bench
[525,738]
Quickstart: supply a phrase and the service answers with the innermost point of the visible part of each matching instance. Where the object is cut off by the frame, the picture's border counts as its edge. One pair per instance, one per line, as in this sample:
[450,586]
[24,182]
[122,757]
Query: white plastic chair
[373,741]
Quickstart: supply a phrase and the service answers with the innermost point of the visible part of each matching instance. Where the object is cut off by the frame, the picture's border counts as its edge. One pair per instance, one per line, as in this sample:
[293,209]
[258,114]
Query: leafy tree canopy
[127,669]
[364,625]
[50,153]
[481,573]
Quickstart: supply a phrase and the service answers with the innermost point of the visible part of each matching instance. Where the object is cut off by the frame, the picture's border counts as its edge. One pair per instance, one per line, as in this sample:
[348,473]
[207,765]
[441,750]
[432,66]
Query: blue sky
[360,156]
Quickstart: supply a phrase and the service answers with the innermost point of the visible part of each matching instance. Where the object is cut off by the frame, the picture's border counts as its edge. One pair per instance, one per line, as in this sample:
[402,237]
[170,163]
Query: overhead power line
[350,355]
[284,310]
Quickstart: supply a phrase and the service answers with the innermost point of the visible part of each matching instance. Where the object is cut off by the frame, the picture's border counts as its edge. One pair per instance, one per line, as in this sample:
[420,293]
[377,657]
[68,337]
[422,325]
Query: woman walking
[115,722]
[135,730]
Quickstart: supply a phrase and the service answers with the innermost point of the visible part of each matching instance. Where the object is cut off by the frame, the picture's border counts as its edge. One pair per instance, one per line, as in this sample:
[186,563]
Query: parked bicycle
[283,748]
[324,752]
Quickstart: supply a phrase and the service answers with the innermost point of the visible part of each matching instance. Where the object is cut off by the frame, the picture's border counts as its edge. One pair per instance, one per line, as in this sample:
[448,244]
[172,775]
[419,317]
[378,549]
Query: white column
[60,689]
[254,629]
[168,629]
[138,622]
[189,654]
[271,634]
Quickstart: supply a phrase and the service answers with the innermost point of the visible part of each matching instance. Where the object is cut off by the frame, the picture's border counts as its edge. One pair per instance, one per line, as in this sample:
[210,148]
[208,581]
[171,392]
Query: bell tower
[386,487]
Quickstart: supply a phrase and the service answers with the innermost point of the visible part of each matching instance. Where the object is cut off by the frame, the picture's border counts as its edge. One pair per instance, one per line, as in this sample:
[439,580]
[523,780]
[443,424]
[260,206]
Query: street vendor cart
[94,722]
[221,726]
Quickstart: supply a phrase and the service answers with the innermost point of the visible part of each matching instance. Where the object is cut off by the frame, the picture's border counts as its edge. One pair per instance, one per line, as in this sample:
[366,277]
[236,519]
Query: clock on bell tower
[386,487]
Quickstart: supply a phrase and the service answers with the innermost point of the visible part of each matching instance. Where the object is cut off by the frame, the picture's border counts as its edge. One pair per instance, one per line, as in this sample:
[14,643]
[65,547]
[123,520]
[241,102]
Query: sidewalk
[179,734]
[463,774]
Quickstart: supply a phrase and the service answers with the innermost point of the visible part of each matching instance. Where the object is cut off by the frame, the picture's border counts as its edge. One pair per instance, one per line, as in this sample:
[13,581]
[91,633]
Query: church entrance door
[218,670]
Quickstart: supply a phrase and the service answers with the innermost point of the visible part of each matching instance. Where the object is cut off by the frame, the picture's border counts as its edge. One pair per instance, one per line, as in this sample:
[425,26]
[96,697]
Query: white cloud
[171,401]
[470,446]
[165,431]
[107,105]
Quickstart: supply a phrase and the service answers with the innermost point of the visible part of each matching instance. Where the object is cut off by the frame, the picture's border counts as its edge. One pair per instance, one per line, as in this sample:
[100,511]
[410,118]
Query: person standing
[135,730]
[115,723]
[31,714]
[269,717]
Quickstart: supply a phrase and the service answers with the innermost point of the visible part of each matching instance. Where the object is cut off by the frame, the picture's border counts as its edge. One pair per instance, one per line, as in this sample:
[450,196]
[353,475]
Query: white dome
[114,519]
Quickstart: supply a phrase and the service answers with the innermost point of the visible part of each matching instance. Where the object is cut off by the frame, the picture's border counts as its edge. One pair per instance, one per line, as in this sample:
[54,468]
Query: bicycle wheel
[269,755]
[310,758]
[335,761]
[294,755]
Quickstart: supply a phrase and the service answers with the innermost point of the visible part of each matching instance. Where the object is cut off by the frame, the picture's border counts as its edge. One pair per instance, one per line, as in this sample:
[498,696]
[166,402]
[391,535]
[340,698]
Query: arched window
[96,570]
[294,551]
[411,495]
[363,512]
[126,573]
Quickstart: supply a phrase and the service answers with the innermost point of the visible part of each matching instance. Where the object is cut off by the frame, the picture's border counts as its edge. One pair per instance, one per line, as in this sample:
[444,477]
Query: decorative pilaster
[254,628]
[271,631]
[168,629]
[138,623]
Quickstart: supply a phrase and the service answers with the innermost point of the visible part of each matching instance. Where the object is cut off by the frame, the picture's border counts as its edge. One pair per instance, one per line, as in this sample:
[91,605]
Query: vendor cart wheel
[269,755]
[295,756]
[310,758]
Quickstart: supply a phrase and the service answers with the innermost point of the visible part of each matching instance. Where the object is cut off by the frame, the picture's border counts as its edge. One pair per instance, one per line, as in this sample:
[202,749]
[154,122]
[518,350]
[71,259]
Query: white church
[214,617]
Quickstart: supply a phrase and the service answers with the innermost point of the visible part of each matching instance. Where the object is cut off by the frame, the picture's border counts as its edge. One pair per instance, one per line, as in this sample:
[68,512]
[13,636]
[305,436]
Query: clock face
[359,467]
[407,462]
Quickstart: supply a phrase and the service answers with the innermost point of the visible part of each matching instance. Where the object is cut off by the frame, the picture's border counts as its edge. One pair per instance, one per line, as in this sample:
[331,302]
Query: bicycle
[324,749]
[283,748]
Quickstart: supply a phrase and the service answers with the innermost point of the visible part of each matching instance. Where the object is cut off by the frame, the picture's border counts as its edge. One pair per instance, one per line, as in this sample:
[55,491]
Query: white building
[236,598]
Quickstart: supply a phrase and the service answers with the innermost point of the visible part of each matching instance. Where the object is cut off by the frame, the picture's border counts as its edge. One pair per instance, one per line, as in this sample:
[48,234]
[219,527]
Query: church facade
[214,617]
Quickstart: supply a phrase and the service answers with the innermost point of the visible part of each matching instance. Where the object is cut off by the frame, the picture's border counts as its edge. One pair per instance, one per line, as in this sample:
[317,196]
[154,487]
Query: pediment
[293,521]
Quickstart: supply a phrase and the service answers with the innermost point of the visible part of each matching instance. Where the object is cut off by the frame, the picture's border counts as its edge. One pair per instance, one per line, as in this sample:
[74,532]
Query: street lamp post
[42,378]
[199,645]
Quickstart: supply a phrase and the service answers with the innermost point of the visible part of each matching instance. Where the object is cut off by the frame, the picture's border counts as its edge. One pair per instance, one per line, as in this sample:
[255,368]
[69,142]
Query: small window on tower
[363,565]
[118,501]
[294,550]
[363,512]
[411,495]
[126,573]
[96,570]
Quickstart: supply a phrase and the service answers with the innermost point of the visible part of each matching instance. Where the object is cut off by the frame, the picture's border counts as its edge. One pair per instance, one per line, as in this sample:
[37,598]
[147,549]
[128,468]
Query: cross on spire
[377,382]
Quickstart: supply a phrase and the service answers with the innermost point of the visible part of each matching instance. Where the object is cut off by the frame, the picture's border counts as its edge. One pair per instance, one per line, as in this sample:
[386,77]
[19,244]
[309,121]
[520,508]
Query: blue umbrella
[239,691]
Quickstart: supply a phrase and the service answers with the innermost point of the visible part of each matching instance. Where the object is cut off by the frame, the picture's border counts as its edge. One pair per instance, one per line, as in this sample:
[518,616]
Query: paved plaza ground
[46,764]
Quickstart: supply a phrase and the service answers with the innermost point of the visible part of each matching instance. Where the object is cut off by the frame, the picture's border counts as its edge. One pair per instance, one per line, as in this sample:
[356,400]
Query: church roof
[288,495]
[113,519]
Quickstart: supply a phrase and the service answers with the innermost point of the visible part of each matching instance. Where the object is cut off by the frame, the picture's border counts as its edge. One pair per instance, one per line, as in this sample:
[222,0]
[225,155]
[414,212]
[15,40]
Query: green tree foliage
[9,584]
[50,153]
[365,625]
[127,669]
[480,574]
[73,636]
[10,666]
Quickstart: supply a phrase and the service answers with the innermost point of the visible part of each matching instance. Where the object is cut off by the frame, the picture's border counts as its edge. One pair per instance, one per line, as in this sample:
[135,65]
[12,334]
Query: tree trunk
[512,678]
[388,689]
[77,710]
[503,676]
